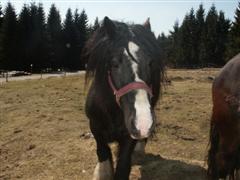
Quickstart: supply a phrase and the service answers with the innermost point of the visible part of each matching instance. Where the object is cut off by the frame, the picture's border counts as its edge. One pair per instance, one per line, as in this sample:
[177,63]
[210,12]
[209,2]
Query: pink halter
[129,87]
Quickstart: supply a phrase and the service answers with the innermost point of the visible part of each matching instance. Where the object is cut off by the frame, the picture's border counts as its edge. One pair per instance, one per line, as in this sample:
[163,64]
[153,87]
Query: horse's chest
[117,127]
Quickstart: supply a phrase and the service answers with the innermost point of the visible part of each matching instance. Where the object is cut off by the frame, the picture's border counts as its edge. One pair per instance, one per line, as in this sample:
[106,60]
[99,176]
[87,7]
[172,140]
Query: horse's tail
[212,171]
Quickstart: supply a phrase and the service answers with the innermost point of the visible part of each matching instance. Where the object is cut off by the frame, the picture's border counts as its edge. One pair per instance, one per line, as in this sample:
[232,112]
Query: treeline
[202,40]
[33,42]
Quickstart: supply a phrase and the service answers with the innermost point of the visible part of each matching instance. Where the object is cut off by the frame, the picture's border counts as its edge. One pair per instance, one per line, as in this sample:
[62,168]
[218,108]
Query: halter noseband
[128,88]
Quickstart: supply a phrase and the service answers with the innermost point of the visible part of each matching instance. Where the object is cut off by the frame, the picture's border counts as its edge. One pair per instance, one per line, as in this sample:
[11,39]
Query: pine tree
[234,36]
[84,33]
[54,33]
[1,21]
[211,37]
[165,44]
[33,37]
[174,47]
[96,24]
[24,30]
[200,31]
[1,16]
[83,26]
[223,26]
[41,51]
[200,18]
[188,43]
[193,61]
[184,43]
[70,40]
[79,35]
[8,39]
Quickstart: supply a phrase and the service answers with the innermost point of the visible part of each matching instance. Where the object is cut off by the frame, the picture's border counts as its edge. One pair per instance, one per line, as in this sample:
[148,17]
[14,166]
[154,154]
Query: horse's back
[228,79]
[226,92]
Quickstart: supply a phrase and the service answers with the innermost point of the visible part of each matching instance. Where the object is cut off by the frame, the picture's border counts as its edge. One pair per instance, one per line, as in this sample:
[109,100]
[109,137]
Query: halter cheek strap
[128,88]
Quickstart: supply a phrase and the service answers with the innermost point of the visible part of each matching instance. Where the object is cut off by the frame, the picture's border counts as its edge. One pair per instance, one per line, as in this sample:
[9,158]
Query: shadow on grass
[154,167]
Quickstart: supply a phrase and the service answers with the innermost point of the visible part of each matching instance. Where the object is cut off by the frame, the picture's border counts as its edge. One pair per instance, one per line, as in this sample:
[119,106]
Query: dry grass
[43,128]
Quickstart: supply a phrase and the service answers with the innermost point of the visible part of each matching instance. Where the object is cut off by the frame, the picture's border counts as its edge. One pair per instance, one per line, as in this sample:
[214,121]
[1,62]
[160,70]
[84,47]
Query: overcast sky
[162,13]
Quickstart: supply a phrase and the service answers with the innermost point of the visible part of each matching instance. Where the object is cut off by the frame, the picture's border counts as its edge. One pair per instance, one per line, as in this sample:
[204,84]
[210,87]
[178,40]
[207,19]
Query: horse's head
[130,70]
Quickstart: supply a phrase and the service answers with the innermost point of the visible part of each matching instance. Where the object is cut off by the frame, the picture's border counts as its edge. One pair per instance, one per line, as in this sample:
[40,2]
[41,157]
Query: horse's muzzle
[142,132]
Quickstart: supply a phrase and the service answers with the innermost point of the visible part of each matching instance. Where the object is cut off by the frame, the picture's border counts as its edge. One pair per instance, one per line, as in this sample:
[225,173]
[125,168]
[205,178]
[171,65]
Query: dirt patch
[179,78]
[44,133]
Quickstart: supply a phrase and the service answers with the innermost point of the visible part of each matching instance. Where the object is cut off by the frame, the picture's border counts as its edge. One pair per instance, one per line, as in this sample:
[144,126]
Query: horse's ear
[109,27]
[147,24]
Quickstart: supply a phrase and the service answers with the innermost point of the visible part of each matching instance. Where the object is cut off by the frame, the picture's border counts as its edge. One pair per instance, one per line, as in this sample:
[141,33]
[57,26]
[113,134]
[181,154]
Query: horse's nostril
[138,134]
[135,133]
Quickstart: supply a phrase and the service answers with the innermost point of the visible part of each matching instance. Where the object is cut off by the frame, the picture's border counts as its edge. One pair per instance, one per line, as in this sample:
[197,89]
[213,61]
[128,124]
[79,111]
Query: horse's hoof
[103,171]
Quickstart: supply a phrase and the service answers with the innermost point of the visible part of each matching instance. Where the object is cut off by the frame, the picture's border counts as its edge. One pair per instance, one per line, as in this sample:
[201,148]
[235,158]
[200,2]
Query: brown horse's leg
[212,171]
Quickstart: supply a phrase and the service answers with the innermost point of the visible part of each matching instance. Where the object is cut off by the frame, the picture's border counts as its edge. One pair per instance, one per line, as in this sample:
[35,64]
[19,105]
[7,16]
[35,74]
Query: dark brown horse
[224,152]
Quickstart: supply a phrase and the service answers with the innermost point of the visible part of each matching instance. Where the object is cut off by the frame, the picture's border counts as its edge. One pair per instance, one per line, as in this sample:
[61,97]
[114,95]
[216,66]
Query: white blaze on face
[142,106]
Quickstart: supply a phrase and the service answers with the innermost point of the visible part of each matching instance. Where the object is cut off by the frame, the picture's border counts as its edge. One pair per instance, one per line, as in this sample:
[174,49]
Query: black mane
[99,50]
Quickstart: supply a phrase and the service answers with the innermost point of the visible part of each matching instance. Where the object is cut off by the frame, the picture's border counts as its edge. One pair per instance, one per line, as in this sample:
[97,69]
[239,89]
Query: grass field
[44,133]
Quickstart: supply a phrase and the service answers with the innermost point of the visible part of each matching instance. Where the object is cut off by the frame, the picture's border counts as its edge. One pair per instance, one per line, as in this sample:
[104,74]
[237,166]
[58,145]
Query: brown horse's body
[224,153]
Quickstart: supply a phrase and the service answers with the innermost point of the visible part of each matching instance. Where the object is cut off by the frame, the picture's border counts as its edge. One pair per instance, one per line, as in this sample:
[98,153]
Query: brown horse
[224,152]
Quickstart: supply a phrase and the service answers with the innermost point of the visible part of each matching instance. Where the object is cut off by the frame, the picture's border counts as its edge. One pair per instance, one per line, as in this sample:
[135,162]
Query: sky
[163,13]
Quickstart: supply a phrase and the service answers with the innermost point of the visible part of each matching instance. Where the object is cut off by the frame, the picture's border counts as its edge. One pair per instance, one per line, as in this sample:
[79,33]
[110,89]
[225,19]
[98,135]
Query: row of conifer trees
[203,39]
[31,41]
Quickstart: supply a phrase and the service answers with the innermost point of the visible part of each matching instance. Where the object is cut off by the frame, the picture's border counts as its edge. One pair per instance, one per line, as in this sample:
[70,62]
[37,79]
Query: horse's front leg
[140,146]
[104,167]
[126,147]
